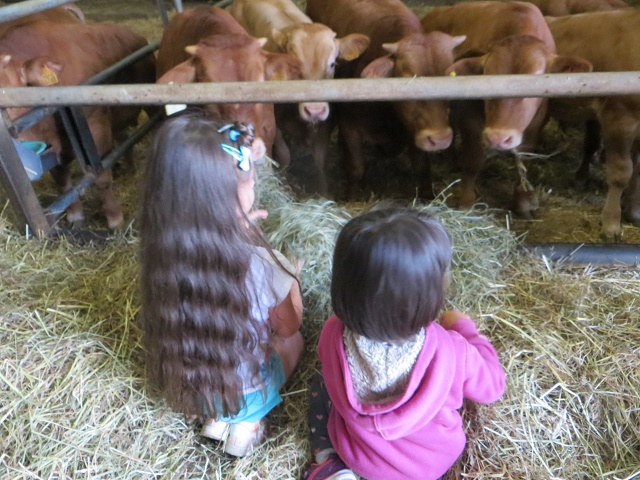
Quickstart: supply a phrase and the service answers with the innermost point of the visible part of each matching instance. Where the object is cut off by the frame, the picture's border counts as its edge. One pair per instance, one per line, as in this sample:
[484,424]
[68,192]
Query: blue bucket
[29,153]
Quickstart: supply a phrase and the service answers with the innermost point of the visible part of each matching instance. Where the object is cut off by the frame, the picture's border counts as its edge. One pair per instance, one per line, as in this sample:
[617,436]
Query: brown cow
[559,8]
[206,44]
[609,41]
[44,52]
[398,48]
[289,30]
[514,39]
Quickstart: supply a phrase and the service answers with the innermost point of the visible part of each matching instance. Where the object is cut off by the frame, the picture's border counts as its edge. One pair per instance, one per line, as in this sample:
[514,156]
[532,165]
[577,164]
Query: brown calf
[608,40]
[289,30]
[44,52]
[399,48]
[502,38]
[206,44]
[559,8]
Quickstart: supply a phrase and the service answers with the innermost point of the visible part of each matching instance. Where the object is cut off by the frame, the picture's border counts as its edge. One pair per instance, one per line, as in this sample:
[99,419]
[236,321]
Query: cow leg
[62,178]
[591,151]
[100,126]
[421,164]
[525,198]
[471,125]
[620,126]
[631,200]
[110,205]
[281,152]
[320,136]
[353,164]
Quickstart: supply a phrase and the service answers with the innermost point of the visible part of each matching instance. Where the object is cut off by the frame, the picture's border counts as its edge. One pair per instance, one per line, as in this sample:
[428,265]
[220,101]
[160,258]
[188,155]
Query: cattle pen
[75,400]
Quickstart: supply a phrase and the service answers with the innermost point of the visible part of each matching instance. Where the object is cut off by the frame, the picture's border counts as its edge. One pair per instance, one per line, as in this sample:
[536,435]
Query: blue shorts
[262,401]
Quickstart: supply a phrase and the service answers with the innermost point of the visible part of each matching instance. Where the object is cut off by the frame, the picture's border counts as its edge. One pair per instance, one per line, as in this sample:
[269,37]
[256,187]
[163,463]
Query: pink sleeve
[484,377]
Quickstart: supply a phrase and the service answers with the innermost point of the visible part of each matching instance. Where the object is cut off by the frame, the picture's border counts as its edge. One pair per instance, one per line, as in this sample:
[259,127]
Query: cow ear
[379,68]
[467,66]
[4,60]
[282,66]
[191,50]
[392,48]
[352,46]
[184,72]
[561,64]
[279,38]
[457,40]
[41,72]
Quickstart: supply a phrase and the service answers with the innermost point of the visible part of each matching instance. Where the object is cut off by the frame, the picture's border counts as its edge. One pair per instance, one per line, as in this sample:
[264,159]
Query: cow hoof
[114,222]
[611,233]
[466,202]
[77,224]
[525,203]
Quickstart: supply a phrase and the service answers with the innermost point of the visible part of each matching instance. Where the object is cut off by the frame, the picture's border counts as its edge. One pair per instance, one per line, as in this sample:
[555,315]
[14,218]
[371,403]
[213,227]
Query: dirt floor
[567,213]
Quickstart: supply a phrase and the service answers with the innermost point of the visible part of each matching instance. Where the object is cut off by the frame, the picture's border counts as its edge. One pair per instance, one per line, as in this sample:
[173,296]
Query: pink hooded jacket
[419,435]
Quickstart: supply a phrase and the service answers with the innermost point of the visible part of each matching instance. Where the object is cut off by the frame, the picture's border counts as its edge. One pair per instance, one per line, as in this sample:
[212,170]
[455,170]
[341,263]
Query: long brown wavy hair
[195,253]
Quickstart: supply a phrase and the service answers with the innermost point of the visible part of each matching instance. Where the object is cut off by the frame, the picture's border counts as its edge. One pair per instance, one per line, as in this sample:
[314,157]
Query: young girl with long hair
[221,309]
[393,377]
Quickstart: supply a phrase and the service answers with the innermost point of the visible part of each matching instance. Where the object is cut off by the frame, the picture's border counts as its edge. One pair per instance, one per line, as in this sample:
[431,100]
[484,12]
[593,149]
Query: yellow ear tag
[452,74]
[48,76]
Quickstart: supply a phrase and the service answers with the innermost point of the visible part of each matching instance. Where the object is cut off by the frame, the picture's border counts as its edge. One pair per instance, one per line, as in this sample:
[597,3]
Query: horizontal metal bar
[588,253]
[342,90]
[21,9]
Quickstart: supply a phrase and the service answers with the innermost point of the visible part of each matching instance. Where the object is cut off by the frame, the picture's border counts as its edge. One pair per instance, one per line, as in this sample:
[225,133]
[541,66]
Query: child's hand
[298,264]
[449,317]
[254,215]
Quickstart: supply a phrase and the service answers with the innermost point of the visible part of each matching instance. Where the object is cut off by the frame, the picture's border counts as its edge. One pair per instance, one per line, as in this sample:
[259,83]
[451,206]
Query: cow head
[318,49]
[420,55]
[236,58]
[40,71]
[508,118]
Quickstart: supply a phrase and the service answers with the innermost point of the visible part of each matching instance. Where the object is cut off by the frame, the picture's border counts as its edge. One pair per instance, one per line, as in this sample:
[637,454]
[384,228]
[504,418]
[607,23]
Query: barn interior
[75,402]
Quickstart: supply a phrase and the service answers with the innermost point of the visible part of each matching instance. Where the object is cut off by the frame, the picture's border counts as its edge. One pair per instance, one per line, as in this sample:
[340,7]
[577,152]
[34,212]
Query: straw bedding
[75,403]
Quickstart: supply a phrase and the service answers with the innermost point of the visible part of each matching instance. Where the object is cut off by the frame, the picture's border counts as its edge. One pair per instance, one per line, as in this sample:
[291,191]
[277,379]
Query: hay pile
[75,403]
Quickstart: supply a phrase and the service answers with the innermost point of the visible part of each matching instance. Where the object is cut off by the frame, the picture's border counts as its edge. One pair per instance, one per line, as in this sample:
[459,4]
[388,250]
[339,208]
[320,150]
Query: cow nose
[314,112]
[258,149]
[502,138]
[432,140]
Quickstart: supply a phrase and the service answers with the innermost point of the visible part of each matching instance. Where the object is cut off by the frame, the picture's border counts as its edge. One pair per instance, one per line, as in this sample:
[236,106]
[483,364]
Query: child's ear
[446,280]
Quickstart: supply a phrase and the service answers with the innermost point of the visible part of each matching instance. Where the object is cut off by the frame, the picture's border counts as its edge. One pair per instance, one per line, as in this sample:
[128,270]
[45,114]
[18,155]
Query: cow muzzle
[502,138]
[313,112]
[433,140]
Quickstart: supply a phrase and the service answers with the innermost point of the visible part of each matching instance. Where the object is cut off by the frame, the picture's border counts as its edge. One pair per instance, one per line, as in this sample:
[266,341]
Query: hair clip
[242,156]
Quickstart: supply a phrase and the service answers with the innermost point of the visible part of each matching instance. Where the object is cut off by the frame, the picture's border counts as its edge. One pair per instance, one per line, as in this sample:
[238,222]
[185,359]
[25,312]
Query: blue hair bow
[242,154]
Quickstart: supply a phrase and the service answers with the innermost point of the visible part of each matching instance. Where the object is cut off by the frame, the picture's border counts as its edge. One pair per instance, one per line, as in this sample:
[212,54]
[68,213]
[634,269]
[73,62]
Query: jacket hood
[429,384]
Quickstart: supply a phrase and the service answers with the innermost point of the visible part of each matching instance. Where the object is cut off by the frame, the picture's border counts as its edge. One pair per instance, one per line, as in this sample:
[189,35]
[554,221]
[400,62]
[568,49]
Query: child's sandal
[243,437]
[214,429]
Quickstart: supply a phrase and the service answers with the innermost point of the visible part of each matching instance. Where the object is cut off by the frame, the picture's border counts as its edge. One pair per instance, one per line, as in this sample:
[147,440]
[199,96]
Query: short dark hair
[389,269]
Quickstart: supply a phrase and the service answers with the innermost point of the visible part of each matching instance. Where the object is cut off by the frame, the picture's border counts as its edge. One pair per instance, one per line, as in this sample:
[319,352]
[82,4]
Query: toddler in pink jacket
[393,379]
